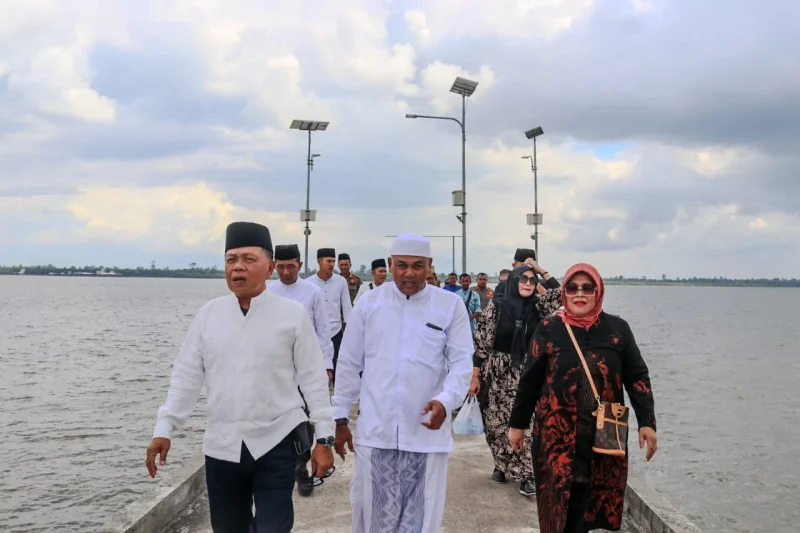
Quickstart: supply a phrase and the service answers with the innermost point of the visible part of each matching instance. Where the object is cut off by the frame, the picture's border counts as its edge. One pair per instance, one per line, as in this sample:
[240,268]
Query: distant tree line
[139,272]
[194,271]
[706,282]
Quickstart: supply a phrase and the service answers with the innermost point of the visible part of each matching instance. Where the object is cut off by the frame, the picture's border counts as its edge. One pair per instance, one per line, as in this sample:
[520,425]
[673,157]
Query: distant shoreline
[218,274]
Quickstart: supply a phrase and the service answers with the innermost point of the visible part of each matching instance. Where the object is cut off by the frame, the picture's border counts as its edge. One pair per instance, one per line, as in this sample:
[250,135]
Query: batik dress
[554,386]
[499,379]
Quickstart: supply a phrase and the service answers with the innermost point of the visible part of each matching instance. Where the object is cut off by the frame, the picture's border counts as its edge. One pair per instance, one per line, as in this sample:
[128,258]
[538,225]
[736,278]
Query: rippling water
[84,364]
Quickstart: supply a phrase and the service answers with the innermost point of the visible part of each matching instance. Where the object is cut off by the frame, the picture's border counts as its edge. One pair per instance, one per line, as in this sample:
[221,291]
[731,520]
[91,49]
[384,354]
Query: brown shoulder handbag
[611,437]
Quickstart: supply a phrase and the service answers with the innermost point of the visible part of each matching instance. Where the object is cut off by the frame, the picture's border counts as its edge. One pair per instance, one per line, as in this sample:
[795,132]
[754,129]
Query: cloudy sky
[136,131]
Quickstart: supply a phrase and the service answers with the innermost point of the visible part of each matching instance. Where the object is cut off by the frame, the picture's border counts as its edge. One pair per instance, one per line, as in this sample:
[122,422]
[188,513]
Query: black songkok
[378,263]
[285,252]
[523,254]
[244,234]
[344,257]
[326,252]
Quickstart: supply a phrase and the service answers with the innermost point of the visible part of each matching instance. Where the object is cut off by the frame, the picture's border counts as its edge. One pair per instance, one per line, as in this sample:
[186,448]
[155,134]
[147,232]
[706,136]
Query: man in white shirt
[378,277]
[337,296]
[253,349]
[289,285]
[414,344]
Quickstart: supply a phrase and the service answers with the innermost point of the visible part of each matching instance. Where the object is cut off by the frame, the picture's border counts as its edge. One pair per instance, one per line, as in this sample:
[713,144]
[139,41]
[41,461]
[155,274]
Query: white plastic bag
[469,420]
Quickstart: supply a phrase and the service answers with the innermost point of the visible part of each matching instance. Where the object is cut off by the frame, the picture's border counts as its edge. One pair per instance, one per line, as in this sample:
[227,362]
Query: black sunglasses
[316,482]
[527,280]
[587,289]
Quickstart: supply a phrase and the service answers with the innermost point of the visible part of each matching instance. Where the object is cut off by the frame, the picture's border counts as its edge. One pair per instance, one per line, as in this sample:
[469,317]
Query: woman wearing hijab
[578,489]
[502,337]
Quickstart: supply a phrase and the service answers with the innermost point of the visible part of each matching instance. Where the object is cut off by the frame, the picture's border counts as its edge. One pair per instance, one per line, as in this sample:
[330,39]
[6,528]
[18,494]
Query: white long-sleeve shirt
[406,364]
[364,289]
[252,366]
[337,296]
[308,294]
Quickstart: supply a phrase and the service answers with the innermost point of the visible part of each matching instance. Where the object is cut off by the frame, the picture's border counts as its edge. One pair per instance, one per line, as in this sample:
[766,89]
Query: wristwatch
[328,442]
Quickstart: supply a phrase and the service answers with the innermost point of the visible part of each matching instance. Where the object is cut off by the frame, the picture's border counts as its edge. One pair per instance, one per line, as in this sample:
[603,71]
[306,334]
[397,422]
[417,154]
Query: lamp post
[308,215]
[453,237]
[535,218]
[465,88]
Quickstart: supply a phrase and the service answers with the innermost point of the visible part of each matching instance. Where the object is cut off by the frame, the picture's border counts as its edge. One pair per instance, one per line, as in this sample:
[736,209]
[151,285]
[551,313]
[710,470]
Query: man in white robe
[337,297]
[289,285]
[378,277]
[252,349]
[414,344]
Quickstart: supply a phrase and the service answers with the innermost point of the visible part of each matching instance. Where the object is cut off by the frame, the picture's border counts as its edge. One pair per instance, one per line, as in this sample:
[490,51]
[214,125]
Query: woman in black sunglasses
[579,486]
[502,337]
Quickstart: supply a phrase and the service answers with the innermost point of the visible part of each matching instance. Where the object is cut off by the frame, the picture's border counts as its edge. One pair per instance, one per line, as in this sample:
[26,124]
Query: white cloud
[417,23]
[53,83]
[717,161]
[507,18]
[45,45]
[122,163]
[192,217]
[437,78]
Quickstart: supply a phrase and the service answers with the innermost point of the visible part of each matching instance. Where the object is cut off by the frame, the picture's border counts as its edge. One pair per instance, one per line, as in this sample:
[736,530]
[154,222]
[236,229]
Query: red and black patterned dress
[499,379]
[554,385]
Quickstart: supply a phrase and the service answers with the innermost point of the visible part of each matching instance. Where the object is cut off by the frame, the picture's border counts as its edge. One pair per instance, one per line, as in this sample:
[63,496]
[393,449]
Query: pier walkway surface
[474,503]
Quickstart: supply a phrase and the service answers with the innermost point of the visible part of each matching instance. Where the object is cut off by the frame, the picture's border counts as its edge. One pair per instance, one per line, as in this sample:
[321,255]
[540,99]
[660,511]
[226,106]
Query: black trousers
[268,480]
[578,502]
[337,342]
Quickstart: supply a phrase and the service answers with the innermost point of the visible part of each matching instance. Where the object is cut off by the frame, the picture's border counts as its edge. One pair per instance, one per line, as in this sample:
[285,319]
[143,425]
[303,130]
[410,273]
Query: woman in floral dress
[502,338]
[579,490]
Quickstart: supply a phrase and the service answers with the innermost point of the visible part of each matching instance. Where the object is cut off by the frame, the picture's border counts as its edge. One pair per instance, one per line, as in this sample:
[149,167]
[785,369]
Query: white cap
[411,244]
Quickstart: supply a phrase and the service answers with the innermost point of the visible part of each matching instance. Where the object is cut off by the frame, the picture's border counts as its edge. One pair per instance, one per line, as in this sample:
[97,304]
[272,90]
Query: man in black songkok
[353,281]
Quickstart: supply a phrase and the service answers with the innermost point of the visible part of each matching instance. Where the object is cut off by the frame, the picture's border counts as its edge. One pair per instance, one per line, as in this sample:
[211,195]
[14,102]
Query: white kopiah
[411,244]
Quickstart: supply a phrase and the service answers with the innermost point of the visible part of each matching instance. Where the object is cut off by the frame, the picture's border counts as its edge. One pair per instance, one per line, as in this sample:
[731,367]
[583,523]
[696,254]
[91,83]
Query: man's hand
[474,386]
[158,446]
[321,460]
[343,436]
[330,377]
[515,438]
[648,435]
[439,413]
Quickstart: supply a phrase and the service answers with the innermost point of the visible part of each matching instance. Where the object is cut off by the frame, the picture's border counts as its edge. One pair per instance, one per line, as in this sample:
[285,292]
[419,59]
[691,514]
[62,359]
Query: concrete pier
[474,503]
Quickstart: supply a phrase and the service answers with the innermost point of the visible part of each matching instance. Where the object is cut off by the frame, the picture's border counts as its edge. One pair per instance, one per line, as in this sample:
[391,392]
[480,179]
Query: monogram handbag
[611,436]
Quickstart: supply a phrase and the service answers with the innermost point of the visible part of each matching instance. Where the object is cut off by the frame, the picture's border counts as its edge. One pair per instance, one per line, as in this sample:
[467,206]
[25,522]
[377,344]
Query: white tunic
[365,288]
[337,296]
[406,364]
[308,294]
[252,366]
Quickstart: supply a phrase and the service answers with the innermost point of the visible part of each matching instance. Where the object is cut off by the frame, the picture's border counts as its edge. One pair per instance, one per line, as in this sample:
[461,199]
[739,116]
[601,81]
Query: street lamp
[465,88]
[308,215]
[535,218]
[453,237]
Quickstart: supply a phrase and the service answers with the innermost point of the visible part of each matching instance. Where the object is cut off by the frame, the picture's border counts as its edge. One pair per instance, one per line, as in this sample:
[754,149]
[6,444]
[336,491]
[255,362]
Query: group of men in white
[403,351]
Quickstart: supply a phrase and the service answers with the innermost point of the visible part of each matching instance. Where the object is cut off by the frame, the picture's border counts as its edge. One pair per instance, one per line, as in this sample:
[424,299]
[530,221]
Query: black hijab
[517,318]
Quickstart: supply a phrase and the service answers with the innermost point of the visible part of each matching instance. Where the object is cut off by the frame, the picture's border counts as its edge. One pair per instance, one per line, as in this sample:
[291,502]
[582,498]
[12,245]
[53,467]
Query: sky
[133,132]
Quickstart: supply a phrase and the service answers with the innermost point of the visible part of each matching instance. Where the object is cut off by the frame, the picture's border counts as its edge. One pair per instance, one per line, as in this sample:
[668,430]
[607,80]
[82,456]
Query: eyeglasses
[316,482]
[587,289]
[527,280]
